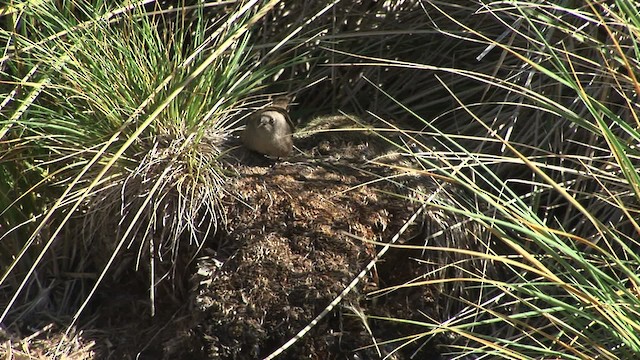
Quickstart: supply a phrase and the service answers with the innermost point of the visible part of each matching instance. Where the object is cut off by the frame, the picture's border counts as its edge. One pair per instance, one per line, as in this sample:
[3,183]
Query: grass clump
[114,121]
[546,159]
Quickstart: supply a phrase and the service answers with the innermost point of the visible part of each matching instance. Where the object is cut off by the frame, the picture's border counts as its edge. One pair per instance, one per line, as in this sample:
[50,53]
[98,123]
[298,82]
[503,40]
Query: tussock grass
[547,161]
[114,123]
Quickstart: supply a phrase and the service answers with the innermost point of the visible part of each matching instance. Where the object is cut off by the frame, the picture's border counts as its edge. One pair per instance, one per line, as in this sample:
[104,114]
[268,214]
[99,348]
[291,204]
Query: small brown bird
[269,132]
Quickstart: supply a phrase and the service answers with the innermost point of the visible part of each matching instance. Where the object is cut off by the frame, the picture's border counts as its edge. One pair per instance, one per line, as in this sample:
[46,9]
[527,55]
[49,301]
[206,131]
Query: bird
[269,131]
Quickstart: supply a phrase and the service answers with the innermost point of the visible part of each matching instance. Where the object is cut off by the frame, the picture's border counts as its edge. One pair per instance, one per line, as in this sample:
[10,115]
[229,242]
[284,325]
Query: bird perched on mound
[269,130]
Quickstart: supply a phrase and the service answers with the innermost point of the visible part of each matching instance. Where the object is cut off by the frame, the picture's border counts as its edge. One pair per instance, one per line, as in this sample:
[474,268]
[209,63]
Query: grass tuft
[119,118]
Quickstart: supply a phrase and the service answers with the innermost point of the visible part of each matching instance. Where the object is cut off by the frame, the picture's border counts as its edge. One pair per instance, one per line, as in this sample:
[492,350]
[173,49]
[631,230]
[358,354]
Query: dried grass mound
[287,254]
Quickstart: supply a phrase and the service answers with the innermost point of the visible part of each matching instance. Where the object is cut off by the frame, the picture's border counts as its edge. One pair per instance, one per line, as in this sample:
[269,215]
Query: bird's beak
[265,120]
